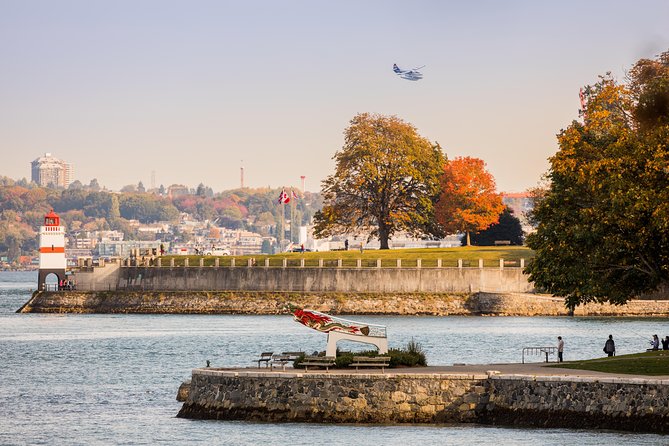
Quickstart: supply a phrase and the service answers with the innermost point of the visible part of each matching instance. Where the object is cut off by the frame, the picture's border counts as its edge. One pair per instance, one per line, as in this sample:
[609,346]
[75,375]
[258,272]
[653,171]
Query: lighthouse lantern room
[51,249]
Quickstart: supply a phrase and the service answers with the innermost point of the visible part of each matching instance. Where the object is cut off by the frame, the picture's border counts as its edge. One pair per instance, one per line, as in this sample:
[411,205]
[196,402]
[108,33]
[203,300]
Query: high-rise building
[49,171]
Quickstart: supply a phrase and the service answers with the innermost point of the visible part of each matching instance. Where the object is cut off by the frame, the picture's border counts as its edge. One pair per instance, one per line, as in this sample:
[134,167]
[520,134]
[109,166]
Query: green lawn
[428,256]
[648,363]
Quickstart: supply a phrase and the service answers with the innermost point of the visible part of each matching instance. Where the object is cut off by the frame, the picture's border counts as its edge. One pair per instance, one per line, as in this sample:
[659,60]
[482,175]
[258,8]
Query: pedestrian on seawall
[610,346]
[560,348]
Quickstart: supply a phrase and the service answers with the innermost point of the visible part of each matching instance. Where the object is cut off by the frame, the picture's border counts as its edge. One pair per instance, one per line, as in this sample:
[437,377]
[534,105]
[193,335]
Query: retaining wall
[341,398]
[623,404]
[343,280]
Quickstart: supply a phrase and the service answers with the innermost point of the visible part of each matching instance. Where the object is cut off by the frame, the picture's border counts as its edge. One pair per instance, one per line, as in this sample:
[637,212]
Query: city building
[49,171]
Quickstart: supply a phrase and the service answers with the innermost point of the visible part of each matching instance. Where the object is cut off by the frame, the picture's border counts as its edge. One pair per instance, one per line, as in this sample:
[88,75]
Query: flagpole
[292,206]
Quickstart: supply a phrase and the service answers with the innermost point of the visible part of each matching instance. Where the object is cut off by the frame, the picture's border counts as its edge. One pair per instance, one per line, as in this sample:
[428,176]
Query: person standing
[610,346]
[560,348]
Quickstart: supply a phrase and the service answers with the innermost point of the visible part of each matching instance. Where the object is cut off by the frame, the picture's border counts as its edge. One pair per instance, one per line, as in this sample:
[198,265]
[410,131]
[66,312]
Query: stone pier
[425,396]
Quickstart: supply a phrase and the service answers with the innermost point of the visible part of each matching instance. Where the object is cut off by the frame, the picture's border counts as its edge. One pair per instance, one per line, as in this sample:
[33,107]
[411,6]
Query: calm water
[112,379]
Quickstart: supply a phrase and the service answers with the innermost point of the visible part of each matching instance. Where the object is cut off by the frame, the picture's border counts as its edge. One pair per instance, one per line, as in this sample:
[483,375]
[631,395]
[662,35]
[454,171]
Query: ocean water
[112,379]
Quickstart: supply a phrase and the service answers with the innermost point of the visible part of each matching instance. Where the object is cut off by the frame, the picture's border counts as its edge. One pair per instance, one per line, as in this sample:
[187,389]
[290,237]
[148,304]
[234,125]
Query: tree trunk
[383,238]
[468,241]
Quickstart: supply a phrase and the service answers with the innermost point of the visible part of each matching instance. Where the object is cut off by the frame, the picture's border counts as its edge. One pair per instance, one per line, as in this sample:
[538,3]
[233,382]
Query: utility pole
[241,169]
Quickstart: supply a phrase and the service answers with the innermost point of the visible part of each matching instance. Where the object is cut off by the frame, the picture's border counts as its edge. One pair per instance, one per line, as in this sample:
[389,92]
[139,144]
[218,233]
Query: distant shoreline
[271,303]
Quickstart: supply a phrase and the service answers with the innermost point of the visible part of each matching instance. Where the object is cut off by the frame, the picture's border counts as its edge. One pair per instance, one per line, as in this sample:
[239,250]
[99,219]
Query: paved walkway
[528,369]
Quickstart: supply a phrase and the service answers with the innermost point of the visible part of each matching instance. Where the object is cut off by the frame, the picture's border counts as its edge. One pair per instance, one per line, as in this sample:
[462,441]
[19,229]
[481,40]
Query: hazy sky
[191,90]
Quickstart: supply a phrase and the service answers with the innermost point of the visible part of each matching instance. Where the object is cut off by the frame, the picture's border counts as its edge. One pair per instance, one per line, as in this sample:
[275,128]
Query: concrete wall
[623,404]
[97,278]
[345,280]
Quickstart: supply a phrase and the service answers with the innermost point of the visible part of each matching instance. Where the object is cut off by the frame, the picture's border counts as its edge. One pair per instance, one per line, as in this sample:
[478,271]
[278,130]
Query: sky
[189,92]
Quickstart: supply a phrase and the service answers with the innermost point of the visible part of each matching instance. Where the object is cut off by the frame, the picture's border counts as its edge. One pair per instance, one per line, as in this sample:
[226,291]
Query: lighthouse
[51,249]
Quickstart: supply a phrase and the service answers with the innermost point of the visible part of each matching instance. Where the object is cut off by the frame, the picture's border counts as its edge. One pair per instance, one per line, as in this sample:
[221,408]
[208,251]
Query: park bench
[318,361]
[265,357]
[369,361]
[284,358]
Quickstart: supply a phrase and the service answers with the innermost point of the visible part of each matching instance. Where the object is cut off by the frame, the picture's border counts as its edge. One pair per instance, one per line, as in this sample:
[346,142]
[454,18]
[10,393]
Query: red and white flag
[283,197]
[292,192]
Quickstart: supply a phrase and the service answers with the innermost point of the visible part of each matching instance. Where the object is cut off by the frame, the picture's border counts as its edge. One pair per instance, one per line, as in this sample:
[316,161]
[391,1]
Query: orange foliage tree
[468,201]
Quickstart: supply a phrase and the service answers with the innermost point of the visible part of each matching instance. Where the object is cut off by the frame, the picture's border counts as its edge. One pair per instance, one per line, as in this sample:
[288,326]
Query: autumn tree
[468,201]
[386,180]
[602,224]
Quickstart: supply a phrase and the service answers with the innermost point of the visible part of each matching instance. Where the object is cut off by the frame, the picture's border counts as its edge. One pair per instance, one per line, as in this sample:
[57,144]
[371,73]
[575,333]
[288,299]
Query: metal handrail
[538,351]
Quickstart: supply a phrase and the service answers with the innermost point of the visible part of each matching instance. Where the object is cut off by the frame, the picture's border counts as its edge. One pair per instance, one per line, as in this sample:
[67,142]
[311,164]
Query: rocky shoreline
[267,303]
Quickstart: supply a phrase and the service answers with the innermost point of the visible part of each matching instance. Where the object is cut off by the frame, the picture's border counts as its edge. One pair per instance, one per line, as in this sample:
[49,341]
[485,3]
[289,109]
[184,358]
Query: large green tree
[386,180]
[507,229]
[602,224]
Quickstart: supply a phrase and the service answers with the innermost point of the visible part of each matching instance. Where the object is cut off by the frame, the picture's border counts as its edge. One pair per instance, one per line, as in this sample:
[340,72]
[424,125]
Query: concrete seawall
[229,302]
[304,279]
[395,397]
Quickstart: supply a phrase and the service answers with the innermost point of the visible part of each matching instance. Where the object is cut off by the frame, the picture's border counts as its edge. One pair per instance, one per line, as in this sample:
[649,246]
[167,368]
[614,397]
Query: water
[112,379]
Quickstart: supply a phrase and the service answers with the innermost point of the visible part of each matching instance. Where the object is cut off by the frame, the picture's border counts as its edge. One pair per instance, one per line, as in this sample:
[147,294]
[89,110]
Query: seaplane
[410,75]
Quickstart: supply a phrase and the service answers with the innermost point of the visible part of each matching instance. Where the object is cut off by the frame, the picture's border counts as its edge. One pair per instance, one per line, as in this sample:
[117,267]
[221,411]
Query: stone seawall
[228,302]
[341,398]
[549,401]
[631,404]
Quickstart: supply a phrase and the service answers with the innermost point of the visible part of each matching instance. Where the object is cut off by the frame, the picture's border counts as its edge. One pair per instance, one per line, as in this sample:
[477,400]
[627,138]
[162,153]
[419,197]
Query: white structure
[51,249]
[339,329]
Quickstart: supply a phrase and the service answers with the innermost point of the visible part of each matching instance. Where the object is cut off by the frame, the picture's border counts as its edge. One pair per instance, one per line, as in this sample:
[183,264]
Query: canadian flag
[283,197]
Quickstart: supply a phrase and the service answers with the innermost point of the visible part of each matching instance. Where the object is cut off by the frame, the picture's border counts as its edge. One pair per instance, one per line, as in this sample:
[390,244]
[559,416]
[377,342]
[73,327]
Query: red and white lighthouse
[51,249]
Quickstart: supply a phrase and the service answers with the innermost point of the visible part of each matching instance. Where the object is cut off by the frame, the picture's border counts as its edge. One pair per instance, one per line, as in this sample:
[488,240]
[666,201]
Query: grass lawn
[470,256]
[648,363]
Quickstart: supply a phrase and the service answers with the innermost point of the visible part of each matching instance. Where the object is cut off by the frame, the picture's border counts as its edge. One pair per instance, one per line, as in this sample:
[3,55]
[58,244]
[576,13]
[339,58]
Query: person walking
[665,343]
[610,346]
[560,348]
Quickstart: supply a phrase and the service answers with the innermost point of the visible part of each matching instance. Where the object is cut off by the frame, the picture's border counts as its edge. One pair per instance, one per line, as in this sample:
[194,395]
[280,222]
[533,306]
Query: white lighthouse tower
[51,249]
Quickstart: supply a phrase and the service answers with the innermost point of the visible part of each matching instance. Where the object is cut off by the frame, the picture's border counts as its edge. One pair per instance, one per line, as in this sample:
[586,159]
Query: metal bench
[265,357]
[284,358]
[371,361]
[318,361]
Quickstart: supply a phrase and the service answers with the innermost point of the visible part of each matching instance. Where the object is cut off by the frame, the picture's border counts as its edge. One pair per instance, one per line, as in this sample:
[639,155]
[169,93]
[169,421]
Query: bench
[368,361]
[284,358]
[265,357]
[318,361]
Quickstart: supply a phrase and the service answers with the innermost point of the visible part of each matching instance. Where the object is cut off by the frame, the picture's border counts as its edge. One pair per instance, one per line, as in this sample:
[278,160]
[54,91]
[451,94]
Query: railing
[539,351]
[283,262]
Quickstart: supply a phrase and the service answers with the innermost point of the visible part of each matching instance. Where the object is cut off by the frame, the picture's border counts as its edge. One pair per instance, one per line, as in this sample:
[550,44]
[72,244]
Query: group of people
[610,345]
[65,284]
[655,343]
